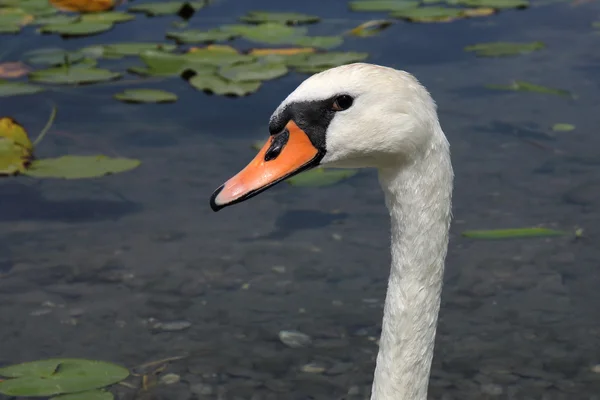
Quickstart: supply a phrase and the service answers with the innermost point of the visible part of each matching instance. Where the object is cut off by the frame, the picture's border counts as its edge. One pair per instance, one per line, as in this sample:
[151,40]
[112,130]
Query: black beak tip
[213,204]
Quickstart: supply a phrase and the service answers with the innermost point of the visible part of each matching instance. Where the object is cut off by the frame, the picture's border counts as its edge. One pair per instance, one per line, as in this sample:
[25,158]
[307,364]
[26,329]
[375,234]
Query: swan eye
[342,103]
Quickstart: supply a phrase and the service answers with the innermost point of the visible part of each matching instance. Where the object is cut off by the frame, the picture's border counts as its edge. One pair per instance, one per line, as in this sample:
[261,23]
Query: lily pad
[134,49]
[370,28]
[110,17]
[56,19]
[51,377]
[18,88]
[81,167]
[382,5]
[290,18]
[166,7]
[521,86]
[428,14]
[146,96]
[53,56]
[504,49]
[12,131]
[323,42]
[79,28]
[324,60]
[561,127]
[257,71]
[10,29]
[320,177]
[221,86]
[269,33]
[198,36]
[73,76]
[512,233]
[90,395]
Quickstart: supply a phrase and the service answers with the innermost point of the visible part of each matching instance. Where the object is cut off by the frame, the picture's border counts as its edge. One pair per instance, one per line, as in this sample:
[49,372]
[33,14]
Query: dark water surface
[89,268]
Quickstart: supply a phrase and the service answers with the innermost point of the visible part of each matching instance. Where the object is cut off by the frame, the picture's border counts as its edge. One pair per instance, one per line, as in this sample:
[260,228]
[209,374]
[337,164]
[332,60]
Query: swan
[369,116]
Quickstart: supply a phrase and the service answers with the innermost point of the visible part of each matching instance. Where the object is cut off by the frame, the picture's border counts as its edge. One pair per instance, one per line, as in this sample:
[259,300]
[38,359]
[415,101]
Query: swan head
[353,116]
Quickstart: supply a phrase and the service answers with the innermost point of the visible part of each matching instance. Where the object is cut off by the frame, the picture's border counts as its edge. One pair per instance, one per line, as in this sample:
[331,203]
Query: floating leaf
[90,395]
[198,36]
[504,49]
[281,52]
[512,233]
[73,76]
[324,60]
[13,69]
[370,28]
[428,14]
[53,57]
[478,12]
[11,17]
[221,86]
[382,5]
[323,42]
[521,86]
[77,28]
[18,88]
[15,147]
[134,49]
[257,71]
[258,17]
[497,4]
[110,17]
[563,127]
[11,130]
[319,177]
[146,96]
[596,24]
[83,5]
[166,7]
[50,377]
[10,28]
[82,167]
[56,19]
[269,33]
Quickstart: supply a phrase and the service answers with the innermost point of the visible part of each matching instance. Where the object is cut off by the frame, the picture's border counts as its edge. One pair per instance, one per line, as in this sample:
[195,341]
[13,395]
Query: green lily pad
[556,127]
[497,4]
[198,36]
[10,29]
[166,7]
[319,177]
[322,42]
[56,19]
[146,96]
[134,49]
[221,86]
[73,76]
[382,5]
[53,57]
[256,71]
[324,60]
[504,49]
[90,395]
[596,24]
[110,17]
[269,33]
[80,167]
[160,63]
[521,86]
[215,57]
[18,88]
[290,18]
[79,28]
[427,14]
[56,376]
[512,233]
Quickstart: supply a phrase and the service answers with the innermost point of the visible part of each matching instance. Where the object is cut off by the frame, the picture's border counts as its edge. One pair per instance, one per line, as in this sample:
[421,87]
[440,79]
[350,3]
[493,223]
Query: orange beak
[284,155]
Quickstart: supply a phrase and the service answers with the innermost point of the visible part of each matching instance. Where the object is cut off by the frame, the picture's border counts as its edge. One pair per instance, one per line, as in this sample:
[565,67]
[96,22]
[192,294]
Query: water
[89,268]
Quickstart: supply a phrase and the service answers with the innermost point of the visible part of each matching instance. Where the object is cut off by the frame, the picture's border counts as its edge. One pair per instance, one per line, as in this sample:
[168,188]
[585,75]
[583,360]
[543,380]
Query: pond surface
[90,268]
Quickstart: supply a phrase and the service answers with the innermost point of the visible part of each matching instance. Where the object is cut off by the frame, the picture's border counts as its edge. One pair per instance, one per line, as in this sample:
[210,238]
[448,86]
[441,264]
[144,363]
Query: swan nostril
[277,144]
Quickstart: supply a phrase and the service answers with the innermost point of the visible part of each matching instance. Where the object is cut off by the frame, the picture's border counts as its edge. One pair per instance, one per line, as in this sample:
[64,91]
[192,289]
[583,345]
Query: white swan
[364,115]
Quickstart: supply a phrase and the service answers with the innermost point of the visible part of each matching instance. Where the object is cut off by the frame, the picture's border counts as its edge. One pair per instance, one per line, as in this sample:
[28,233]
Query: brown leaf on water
[478,12]
[83,5]
[13,69]
[370,28]
[214,47]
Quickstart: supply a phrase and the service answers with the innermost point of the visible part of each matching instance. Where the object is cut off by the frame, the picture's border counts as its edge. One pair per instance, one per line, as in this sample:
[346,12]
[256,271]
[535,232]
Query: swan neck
[418,197]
